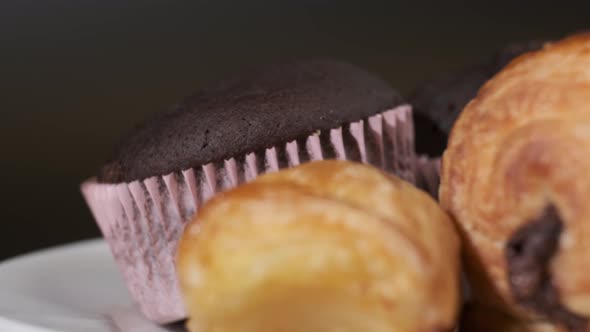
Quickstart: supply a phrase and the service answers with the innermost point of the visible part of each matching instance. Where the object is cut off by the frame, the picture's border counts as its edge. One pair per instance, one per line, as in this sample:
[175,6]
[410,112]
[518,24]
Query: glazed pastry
[229,132]
[438,103]
[326,246]
[514,178]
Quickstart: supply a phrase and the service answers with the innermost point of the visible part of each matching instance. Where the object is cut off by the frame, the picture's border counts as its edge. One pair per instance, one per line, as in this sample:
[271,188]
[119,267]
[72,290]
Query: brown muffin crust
[253,110]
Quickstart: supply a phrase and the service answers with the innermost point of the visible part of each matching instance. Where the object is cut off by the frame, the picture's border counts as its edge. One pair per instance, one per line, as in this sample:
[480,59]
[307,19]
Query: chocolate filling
[528,254]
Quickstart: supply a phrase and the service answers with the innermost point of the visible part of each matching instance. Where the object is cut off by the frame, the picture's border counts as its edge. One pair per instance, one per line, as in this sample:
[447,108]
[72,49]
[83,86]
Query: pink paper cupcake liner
[428,174]
[143,220]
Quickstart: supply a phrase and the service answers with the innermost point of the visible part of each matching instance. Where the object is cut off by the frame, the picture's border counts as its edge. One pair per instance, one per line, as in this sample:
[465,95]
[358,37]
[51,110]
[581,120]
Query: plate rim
[97,241]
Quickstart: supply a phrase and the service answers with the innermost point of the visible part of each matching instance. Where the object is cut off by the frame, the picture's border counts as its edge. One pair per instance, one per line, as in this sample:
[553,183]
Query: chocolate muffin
[258,109]
[229,132]
[438,103]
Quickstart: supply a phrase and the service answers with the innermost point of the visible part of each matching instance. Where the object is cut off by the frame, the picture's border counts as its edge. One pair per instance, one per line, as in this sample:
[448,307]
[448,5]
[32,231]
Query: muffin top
[257,109]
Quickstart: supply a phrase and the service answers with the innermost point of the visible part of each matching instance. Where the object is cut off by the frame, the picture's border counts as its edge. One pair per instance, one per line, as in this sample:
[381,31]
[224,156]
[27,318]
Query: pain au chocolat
[514,178]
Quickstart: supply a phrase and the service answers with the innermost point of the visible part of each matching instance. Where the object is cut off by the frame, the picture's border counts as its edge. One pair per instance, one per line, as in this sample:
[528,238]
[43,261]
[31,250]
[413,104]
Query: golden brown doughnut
[326,246]
[514,178]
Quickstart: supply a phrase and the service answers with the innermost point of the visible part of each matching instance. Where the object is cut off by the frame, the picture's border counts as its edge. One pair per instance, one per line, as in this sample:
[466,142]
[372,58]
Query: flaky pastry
[326,246]
[514,178]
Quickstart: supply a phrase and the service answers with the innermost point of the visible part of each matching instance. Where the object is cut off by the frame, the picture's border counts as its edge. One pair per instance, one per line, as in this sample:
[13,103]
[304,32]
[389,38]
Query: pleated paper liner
[428,174]
[143,220]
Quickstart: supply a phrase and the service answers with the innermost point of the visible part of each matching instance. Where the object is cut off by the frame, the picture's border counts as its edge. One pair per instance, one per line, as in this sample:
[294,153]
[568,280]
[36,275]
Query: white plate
[72,288]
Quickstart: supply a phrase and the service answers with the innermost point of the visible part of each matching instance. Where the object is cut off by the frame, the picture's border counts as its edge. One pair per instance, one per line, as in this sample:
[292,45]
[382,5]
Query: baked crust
[250,111]
[326,246]
[520,146]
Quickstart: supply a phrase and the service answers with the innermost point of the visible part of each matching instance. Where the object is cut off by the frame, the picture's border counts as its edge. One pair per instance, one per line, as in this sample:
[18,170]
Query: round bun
[253,110]
[326,246]
[514,177]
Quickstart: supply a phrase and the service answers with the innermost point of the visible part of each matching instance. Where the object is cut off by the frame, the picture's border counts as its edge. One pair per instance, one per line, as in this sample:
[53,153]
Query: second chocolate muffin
[438,103]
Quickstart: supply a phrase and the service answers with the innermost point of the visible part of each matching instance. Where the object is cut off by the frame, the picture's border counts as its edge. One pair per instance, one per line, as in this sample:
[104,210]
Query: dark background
[75,75]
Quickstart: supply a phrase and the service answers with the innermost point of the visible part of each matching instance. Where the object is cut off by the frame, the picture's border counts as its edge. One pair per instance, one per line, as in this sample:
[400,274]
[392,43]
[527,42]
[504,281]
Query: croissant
[514,178]
[325,246]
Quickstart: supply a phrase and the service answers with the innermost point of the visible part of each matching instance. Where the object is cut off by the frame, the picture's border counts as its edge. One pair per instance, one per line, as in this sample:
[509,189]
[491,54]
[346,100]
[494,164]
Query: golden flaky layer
[521,145]
[326,246]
